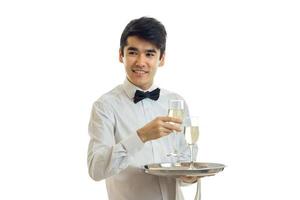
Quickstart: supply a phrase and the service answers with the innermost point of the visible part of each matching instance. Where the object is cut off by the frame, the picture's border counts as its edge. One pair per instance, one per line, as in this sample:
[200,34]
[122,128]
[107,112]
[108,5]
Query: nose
[141,60]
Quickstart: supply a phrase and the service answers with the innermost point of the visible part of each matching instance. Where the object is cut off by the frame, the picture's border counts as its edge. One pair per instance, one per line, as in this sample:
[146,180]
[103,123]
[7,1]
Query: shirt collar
[130,88]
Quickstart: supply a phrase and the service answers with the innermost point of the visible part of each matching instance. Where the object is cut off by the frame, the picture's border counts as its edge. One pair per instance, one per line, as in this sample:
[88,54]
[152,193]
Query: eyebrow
[132,49]
[151,51]
[136,49]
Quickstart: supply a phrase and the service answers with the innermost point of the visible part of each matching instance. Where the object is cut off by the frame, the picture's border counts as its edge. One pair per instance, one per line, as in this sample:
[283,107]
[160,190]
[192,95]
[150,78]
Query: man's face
[141,60]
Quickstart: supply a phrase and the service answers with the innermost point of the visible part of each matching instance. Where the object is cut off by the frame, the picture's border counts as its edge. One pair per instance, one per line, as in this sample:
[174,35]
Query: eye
[132,53]
[149,54]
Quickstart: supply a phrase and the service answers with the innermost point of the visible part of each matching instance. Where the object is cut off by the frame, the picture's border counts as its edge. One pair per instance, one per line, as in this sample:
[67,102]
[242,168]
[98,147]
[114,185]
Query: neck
[141,87]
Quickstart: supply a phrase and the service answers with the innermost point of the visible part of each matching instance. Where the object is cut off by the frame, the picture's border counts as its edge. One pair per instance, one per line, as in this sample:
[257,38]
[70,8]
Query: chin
[141,84]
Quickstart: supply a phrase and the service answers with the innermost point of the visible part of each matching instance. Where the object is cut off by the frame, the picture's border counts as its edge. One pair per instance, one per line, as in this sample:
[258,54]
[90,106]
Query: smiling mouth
[139,71]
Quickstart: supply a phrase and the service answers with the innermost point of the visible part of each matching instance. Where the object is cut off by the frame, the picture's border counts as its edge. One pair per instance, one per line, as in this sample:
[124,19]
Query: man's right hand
[159,127]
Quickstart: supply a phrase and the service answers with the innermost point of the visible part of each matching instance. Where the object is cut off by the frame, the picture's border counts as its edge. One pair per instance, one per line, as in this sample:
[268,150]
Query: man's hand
[189,179]
[158,128]
[193,179]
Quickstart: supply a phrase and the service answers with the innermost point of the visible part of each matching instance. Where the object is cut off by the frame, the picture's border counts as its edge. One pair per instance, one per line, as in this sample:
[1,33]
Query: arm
[105,156]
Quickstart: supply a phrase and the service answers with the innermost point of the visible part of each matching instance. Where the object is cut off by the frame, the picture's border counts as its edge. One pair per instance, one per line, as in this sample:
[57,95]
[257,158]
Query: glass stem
[177,148]
[191,156]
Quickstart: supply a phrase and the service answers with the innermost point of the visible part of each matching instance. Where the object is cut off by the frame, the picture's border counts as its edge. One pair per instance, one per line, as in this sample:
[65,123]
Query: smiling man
[129,126]
[141,59]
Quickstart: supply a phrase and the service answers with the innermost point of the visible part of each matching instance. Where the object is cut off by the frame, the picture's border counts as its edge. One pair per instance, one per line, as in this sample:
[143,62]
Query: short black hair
[146,28]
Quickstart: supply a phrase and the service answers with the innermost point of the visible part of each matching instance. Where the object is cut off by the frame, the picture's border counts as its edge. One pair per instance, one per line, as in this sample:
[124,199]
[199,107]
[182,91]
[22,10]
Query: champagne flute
[176,109]
[191,133]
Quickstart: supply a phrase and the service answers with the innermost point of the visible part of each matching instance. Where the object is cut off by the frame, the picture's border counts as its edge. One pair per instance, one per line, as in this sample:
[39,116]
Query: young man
[129,126]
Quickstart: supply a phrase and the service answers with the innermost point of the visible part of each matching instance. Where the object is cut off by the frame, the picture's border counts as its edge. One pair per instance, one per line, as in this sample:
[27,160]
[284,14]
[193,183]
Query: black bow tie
[140,95]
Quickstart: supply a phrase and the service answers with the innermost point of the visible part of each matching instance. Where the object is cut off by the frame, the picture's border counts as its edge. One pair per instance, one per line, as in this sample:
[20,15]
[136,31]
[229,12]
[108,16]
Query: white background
[235,62]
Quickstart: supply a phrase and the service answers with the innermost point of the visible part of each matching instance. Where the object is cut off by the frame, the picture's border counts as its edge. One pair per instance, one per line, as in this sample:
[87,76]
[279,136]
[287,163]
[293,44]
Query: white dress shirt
[117,154]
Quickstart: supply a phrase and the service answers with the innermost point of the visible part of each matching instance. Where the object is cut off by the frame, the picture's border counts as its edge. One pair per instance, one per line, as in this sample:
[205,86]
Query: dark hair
[148,29]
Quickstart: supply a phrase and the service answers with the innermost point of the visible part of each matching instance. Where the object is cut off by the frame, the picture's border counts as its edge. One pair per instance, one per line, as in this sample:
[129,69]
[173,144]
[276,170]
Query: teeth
[139,71]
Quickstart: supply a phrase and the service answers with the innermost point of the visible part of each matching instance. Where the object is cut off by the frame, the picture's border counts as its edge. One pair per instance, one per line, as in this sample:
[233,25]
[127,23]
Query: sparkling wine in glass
[191,134]
[175,112]
[176,109]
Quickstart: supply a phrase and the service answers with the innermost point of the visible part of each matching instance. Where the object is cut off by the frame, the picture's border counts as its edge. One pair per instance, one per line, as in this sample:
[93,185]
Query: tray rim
[176,172]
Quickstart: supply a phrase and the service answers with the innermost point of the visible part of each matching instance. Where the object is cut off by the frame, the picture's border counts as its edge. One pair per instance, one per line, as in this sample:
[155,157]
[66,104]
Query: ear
[120,56]
[162,60]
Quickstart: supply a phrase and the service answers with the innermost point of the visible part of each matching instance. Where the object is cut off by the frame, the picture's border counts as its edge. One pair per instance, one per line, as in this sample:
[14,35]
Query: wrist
[141,136]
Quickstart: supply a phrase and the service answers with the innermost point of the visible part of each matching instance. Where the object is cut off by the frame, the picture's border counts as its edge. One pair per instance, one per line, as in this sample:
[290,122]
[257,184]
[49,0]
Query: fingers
[159,127]
[165,131]
[172,126]
[171,119]
[170,123]
[189,179]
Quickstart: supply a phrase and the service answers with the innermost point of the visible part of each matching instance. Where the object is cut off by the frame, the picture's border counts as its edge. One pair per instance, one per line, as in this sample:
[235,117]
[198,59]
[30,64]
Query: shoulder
[170,94]
[109,98]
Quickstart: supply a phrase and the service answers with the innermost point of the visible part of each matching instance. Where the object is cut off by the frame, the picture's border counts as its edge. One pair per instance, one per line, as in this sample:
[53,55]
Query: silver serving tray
[200,169]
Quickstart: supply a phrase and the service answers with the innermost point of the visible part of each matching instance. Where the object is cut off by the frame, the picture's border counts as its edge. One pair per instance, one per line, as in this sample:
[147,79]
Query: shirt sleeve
[106,157]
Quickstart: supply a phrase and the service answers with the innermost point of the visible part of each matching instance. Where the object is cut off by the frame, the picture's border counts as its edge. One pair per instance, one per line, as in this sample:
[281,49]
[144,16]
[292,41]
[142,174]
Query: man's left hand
[189,179]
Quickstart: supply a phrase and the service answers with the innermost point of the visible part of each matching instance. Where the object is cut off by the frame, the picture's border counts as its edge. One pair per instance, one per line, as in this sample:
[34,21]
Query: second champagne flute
[191,133]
